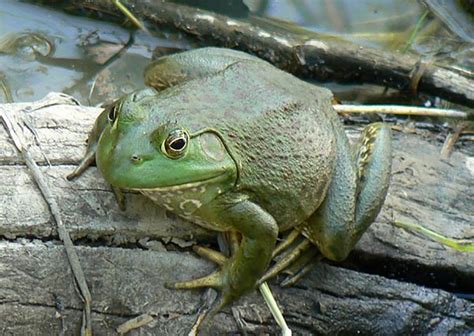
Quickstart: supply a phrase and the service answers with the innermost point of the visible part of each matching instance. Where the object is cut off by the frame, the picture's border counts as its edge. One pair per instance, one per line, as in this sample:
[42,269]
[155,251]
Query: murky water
[43,50]
[80,45]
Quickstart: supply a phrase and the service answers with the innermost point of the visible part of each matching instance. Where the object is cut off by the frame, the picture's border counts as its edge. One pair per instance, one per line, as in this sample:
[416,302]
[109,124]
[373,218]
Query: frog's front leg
[92,141]
[240,273]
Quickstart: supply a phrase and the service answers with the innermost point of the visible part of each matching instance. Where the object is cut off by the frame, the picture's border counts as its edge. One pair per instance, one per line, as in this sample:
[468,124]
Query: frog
[226,140]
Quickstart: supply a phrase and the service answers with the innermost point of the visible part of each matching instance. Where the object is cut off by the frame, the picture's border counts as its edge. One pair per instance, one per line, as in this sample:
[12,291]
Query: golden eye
[176,143]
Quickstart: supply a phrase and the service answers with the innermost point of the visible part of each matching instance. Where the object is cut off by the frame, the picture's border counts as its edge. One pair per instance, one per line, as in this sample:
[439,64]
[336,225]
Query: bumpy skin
[265,153]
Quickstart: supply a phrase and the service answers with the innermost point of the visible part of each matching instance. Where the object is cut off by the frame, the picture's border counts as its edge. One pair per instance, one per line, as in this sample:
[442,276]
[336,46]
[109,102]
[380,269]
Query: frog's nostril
[133,97]
[138,95]
[136,159]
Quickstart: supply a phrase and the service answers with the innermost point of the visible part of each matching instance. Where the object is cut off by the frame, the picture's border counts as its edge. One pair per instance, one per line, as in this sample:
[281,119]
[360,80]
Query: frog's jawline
[184,185]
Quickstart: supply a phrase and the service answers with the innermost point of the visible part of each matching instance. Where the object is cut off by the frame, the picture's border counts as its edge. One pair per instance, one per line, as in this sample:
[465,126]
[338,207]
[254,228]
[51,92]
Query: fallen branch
[302,53]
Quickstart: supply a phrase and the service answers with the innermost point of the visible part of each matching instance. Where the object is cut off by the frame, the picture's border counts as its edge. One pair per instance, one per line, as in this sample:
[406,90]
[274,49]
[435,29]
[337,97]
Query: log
[128,255]
[38,294]
[301,52]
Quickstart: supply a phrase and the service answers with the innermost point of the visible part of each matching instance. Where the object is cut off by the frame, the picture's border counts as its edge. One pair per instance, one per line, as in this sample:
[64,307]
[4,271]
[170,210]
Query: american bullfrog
[229,142]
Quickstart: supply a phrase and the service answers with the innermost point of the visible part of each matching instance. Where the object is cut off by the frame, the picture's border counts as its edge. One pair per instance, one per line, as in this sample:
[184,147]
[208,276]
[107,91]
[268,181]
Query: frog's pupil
[178,144]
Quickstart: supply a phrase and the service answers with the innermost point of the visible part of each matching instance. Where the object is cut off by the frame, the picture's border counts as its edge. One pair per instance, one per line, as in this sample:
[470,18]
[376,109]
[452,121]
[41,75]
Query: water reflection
[43,50]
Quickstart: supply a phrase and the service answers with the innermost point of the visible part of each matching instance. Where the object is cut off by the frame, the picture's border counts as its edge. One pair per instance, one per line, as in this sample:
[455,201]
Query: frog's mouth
[185,186]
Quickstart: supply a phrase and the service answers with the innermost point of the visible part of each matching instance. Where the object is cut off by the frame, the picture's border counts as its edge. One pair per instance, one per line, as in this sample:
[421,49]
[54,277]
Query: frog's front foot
[222,280]
[229,281]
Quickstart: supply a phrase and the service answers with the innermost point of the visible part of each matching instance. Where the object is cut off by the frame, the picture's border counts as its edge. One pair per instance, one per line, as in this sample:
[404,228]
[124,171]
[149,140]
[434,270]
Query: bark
[128,256]
[300,52]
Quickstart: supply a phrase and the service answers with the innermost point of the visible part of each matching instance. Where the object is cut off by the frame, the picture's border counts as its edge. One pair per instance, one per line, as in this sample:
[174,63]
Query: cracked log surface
[128,256]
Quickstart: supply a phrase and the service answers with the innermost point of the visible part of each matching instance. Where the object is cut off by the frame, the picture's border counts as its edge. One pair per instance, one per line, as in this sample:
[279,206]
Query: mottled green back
[279,128]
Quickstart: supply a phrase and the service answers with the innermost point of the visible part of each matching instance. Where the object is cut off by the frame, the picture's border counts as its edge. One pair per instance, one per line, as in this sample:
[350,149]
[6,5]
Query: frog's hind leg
[352,202]
[287,260]
[355,194]
[177,68]
[373,156]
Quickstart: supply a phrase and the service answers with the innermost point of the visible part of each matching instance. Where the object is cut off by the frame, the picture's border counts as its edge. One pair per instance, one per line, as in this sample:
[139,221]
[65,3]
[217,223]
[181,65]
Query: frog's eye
[176,143]
[113,112]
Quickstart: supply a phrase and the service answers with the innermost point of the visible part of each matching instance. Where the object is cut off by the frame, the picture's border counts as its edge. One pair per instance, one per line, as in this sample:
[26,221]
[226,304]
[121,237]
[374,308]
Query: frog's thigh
[330,227]
[355,195]
[177,68]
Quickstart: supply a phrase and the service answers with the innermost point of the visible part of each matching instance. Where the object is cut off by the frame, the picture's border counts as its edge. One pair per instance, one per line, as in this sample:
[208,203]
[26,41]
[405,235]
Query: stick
[134,323]
[130,16]
[398,109]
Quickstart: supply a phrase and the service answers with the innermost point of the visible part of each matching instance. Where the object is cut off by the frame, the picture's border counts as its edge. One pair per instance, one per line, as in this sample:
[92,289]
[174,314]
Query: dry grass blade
[130,16]
[461,245]
[274,309]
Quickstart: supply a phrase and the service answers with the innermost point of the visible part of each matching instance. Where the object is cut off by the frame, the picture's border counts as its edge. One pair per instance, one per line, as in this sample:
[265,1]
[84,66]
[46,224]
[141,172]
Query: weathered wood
[127,282]
[297,51]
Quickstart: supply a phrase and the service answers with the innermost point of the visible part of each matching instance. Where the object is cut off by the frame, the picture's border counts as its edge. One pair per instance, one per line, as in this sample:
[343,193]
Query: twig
[398,109]
[16,135]
[134,323]
[105,65]
[451,140]
[130,16]
[415,31]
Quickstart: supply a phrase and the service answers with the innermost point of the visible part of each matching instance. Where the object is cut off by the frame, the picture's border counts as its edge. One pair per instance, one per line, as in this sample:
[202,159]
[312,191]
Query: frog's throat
[184,186]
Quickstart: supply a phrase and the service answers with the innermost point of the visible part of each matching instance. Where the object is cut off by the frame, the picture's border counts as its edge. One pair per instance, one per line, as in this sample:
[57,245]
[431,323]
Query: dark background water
[72,48]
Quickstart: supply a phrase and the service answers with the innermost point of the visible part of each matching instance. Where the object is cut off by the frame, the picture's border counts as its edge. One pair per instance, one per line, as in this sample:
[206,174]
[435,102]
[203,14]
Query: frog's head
[141,148]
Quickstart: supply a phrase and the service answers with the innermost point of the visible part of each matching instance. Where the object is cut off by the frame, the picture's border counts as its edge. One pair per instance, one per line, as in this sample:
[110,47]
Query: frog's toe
[301,267]
[206,314]
[210,254]
[286,242]
[285,262]
[226,294]
[213,280]
[83,165]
